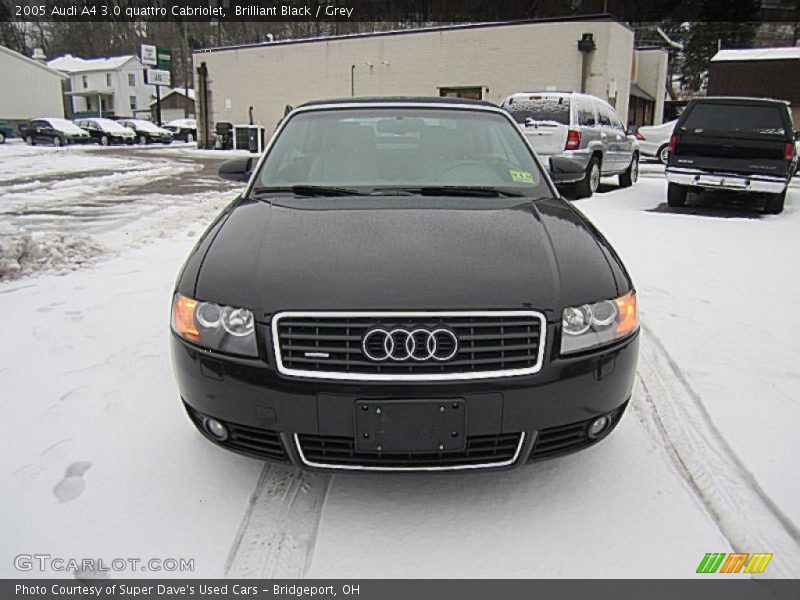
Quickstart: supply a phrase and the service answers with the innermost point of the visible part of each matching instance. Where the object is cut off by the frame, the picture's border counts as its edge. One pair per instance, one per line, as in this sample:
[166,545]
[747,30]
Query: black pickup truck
[741,145]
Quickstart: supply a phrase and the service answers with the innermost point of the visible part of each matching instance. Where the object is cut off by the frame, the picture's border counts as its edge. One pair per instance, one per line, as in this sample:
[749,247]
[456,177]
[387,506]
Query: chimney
[38,55]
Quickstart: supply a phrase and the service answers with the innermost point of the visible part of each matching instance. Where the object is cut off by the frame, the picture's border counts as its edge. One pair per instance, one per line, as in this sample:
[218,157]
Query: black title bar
[396,11]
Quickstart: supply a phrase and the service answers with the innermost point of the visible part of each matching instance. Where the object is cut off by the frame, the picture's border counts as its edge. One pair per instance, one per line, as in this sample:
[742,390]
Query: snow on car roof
[63,125]
[183,123]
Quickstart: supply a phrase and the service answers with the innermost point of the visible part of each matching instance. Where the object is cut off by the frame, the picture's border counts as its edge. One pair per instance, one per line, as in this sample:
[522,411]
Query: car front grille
[339,452]
[263,443]
[328,345]
[553,441]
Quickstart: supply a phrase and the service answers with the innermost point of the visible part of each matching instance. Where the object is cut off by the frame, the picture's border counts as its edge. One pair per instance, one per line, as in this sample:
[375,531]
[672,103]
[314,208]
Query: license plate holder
[419,426]
[723,182]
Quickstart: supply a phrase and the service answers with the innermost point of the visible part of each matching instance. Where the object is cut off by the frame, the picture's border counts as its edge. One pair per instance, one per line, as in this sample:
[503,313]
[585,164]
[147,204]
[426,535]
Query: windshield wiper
[308,190]
[454,190]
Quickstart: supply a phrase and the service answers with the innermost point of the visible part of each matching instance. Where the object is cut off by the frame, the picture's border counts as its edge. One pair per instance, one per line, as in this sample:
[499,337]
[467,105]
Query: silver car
[654,140]
[580,136]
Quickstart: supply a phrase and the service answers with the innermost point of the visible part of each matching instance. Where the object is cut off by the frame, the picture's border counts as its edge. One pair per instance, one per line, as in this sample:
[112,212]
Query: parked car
[398,288]
[58,132]
[744,145]
[183,129]
[654,140]
[107,131]
[147,132]
[6,131]
[580,136]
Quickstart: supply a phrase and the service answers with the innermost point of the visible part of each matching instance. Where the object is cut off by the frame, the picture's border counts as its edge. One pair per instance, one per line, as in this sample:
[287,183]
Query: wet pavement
[91,190]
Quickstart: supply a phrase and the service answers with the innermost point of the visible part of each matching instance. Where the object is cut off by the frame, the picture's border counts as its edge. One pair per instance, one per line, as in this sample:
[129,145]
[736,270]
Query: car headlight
[214,326]
[592,325]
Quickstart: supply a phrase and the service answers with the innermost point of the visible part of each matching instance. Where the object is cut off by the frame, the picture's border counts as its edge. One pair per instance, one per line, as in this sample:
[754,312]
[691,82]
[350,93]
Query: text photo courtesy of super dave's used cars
[399,309]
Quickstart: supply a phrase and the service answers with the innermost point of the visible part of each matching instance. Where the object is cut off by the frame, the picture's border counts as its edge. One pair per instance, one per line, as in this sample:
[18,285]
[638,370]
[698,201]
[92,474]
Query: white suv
[581,136]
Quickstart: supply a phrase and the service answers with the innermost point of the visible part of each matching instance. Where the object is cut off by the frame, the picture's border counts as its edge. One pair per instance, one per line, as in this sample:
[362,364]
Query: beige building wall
[31,90]
[500,59]
[651,76]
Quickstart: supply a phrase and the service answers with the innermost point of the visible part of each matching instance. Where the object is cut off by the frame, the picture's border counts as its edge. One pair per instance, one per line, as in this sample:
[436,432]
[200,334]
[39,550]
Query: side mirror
[797,136]
[631,130]
[236,169]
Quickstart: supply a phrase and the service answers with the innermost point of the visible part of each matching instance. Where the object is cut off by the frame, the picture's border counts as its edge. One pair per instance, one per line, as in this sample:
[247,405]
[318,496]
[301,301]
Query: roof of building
[787,53]
[74,64]
[178,90]
[457,27]
[31,62]
[638,92]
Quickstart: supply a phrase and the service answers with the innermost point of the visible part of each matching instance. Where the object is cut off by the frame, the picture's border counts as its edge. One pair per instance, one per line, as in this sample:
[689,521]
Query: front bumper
[734,182]
[311,423]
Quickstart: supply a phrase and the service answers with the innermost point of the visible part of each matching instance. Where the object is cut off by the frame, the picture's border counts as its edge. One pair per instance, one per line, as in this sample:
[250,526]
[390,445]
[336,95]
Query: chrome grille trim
[467,467]
[457,376]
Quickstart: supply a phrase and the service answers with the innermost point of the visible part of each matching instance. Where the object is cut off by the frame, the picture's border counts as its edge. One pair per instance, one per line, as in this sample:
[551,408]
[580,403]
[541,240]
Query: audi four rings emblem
[409,344]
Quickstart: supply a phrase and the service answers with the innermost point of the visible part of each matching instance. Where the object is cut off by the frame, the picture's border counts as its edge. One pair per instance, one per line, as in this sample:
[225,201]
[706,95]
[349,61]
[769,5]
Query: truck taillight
[573,140]
[673,141]
[788,151]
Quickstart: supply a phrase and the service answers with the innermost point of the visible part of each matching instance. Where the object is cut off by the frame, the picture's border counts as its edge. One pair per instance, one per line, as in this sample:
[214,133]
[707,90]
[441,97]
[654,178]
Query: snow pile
[22,253]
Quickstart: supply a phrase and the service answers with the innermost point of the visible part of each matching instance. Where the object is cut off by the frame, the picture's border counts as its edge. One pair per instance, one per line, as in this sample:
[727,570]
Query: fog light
[216,429]
[598,426]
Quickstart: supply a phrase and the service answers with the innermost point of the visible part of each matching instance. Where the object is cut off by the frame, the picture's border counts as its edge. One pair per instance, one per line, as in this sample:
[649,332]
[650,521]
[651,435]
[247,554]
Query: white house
[105,86]
[31,89]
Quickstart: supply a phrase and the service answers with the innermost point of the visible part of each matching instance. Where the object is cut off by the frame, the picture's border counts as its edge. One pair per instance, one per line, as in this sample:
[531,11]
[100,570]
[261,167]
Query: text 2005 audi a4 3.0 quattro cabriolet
[399,287]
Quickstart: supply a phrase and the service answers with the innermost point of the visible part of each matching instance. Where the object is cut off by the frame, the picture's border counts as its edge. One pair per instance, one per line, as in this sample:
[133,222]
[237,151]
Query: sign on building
[158,77]
[164,58]
[149,55]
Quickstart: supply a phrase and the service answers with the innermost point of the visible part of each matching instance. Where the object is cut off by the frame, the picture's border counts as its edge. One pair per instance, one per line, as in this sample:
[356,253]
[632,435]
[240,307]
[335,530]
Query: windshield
[65,126]
[538,108]
[111,126]
[402,147]
[145,125]
[761,119]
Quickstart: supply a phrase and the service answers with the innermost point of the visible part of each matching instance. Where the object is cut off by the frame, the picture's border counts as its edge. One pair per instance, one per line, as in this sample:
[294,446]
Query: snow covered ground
[101,462]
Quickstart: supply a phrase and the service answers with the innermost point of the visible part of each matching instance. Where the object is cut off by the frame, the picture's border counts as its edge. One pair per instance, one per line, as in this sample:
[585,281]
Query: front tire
[676,195]
[143,140]
[588,185]
[774,203]
[57,141]
[2,138]
[189,138]
[629,177]
[663,154]
[104,141]
[29,140]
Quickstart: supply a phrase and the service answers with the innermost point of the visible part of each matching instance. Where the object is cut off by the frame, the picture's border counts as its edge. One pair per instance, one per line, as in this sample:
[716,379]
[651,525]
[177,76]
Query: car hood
[404,253]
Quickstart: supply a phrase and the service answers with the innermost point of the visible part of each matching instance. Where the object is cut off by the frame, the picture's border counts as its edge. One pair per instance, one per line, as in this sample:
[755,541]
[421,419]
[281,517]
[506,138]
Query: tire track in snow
[277,535]
[745,514]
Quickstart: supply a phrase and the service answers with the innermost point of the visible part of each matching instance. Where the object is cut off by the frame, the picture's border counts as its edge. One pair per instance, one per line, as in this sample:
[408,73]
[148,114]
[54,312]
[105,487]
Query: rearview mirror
[236,169]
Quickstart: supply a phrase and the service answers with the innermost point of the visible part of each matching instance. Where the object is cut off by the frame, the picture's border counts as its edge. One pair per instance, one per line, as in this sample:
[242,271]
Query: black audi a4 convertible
[399,287]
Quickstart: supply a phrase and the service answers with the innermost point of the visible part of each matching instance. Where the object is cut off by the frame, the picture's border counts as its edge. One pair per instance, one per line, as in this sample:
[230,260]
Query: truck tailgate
[747,155]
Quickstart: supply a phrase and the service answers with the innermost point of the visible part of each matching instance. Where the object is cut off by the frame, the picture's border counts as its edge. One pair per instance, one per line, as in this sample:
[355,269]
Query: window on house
[133,102]
[108,79]
[131,79]
[85,81]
